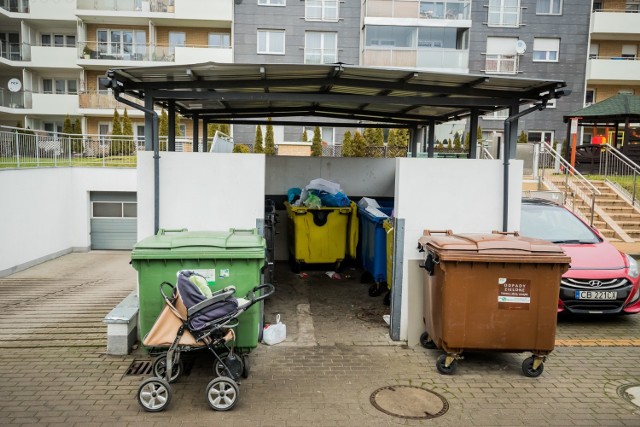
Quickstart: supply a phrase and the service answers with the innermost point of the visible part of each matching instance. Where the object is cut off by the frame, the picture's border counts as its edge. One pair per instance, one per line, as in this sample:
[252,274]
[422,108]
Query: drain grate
[630,393]
[139,367]
[409,402]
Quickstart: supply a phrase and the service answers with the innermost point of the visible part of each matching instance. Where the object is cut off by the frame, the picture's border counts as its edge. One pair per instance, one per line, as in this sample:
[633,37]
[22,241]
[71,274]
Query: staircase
[598,202]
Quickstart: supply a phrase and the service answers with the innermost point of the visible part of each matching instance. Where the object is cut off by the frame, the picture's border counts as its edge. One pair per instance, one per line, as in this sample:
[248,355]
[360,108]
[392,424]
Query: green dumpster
[233,257]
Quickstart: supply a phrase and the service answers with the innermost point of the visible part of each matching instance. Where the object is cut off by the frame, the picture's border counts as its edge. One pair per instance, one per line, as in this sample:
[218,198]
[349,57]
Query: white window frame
[268,33]
[545,43]
[280,3]
[309,130]
[226,37]
[497,115]
[176,43]
[543,133]
[55,82]
[502,14]
[629,51]
[118,48]
[594,51]
[104,137]
[324,6]
[323,50]
[550,10]
[122,209]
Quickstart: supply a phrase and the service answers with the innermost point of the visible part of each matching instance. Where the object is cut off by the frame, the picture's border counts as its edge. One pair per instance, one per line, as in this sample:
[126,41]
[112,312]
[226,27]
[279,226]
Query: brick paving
[54,370]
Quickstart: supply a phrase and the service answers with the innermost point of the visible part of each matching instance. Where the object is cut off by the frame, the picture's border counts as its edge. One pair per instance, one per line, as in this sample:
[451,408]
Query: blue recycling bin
[373,245]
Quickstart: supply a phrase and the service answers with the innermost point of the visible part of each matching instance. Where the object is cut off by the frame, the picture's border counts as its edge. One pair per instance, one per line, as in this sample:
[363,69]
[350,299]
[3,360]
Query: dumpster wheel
[447,364]
[533,366]
[427,342]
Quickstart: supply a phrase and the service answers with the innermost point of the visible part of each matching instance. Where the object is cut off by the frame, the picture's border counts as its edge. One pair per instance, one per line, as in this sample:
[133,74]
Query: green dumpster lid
[169,244]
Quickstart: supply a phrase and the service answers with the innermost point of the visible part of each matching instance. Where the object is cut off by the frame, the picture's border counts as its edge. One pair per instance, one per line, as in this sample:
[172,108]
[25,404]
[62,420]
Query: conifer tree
[257,147]
[269,143]
[316,143]
[359,145]
[347,144]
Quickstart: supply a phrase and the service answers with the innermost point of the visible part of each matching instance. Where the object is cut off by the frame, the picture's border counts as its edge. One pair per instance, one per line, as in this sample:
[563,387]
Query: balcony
[99,52]
[53,56]
[613,69]
[501,64]
[162,6]
[14,100]
[431,58]
[442,10]
[99,100]
[15,51]
[15,6]
[614,24]
[50,103]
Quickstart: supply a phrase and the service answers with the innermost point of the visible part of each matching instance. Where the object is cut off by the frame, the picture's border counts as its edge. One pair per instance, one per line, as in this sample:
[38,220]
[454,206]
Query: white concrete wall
[465,196]
[201,191]
[219,10]
[51,10]
[45,212]
[194,55]
[50,103]
[54,57]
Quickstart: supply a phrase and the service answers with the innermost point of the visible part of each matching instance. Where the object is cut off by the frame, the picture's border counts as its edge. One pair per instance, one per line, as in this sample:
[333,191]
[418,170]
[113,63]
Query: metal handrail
[581,186]
[616,167]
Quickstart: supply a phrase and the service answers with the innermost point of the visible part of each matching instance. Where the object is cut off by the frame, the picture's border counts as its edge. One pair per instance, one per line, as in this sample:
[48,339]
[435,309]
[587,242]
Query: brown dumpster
[490,292]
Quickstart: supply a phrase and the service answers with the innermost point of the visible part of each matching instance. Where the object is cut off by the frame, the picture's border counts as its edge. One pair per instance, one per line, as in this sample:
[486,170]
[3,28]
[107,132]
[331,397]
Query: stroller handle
[166,298]
[268,289]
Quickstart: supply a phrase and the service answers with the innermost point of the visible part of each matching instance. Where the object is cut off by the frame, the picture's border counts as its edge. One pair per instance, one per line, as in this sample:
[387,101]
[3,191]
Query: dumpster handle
[430,232]
[243,230]
[506,233]
[163,231]
[270,290]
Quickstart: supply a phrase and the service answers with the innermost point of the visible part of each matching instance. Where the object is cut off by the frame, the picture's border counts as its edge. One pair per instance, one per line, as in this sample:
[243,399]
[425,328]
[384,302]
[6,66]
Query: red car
[601,279]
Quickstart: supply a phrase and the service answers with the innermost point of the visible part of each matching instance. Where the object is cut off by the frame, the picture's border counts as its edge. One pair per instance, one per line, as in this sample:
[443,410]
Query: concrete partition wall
[45,212]
[201,191]
[465,196]
[357,176]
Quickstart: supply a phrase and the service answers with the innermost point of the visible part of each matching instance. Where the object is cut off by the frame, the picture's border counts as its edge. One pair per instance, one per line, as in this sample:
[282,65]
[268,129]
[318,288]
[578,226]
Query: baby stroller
[194,318]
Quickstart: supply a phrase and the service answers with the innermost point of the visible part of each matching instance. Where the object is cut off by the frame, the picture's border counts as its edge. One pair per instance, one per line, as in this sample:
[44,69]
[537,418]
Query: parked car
[601,279]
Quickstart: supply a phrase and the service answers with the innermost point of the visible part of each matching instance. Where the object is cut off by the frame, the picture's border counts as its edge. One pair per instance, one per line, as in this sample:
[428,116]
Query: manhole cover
[409,402]
[630,393]
[139,367]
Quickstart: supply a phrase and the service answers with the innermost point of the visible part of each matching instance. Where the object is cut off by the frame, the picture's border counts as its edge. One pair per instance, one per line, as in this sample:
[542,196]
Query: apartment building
[613,67]
[532,39]
[55,55]
[300,32]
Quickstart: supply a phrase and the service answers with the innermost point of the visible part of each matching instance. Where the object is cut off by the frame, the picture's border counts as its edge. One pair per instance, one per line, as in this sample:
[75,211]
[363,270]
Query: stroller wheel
[222,393]
[235,365]
[154,394]
[160,368]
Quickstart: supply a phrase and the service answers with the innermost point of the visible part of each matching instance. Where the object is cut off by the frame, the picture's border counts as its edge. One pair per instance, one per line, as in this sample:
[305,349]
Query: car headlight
[633,267]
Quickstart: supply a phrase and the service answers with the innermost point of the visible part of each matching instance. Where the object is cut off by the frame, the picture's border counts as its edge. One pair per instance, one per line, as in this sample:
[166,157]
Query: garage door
[113,220]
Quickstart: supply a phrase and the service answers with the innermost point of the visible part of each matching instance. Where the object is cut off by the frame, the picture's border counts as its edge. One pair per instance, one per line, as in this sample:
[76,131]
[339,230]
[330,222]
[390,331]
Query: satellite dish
[521,47]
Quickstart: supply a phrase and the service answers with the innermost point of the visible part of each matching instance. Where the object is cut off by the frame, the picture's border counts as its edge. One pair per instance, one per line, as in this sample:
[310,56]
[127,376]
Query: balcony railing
[133,51]
[15,6]
[421,58]
[101,99]
[127,5]
[15,51]
[21,99]
[504,16]
[501,64]
[453,10]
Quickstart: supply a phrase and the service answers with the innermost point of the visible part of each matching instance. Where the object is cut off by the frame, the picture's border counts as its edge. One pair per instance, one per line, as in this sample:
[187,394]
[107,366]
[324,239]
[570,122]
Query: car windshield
[554,223]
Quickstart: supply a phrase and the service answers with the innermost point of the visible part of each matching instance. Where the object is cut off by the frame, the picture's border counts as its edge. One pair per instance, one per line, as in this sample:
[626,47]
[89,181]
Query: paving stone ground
[54,370]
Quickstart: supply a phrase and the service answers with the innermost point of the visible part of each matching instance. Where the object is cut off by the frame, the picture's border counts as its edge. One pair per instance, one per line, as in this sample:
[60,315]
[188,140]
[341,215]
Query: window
[219,40]
[62,86]
[504,13]
[380,35]
[122,44]
[549,7]
[271,2]
[176,38]
[321,10]
[545,50]
[57,40]
[183,130]
[271,42]
[53,127]
[326,133]
[597,6]
[590,97]
[625,92]
[114,210]
[501,56]
[629,51]
[546,136]
[320,48]
[594,49]
[104,130]
[497,115]
[139,130]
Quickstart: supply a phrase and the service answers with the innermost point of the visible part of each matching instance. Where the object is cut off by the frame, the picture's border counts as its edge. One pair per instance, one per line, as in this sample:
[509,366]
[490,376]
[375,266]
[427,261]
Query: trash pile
[371,206]
[318,193]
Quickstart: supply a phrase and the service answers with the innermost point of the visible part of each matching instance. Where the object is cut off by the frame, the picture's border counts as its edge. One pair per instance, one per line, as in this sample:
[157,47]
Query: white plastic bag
[276,333]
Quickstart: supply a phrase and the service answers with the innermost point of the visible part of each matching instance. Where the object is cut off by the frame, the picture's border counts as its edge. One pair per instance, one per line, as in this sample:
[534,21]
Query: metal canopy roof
[404,97]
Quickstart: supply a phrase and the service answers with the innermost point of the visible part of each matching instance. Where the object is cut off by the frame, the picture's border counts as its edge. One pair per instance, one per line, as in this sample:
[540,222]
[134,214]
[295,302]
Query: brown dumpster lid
[494,247]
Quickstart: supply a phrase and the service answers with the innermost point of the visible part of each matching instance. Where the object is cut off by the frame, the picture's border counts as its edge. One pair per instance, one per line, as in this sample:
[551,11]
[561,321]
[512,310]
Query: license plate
[596,295]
